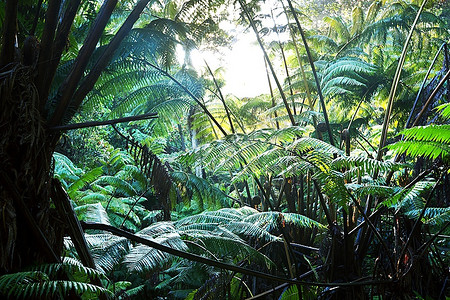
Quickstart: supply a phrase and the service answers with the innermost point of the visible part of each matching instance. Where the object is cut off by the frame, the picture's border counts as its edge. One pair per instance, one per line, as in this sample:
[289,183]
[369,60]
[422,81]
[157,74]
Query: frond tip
[430,141]
[38,284]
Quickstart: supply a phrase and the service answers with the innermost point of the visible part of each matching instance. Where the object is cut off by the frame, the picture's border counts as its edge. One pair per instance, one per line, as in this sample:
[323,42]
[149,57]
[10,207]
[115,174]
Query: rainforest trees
[35,37]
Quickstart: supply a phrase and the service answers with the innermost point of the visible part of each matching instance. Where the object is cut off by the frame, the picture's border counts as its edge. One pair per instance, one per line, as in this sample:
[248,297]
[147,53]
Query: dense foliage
[335,185]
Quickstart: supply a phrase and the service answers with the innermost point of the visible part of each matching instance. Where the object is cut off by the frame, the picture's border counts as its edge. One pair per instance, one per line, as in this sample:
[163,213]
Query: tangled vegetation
[127,173]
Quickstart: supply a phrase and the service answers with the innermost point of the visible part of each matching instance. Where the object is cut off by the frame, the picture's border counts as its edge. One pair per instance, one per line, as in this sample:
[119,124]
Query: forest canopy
[130,171]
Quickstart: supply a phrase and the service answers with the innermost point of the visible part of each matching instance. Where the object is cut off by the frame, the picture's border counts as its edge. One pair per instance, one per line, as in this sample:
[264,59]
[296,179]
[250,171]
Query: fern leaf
[93,213]
[107,250]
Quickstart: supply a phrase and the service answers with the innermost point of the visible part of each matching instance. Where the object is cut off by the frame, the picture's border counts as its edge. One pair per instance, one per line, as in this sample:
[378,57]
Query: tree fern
[430,141]
[270,221]
[86,178]
[142,257]
[92,213]
[43,283]
[202,190]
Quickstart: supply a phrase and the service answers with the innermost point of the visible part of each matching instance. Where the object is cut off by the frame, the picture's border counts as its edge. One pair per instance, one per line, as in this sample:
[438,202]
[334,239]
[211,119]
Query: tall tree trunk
[29,231]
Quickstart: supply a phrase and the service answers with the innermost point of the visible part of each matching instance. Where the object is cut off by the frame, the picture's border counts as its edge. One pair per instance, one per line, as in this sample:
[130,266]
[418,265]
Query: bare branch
[106,122]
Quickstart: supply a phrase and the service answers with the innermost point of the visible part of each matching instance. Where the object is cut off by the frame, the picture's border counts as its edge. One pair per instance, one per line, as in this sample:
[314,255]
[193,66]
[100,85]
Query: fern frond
[206,218]
[270,221]
[54,287]
[69,266]
[121,186]
[311,144]
[428,149]
[409,198]
[88,177]
[158,229]
[251,231]
[339,27]
[444,109]
[355,165]
[65,170]
[290,293]
[435,216]
[37,284]
[227,245]
[201,188]
[94,212]
[142,257]
[107,250]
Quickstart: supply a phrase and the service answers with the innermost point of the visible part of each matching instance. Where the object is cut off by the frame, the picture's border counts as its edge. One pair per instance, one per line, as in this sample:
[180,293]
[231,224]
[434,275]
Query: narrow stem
[394,86]
[418,220]
[266,56]
[218,264]
[106,122]
[45,53]
[203,106]
[271,95]
[313,69]
[68,87]
[372,227]
[221,97]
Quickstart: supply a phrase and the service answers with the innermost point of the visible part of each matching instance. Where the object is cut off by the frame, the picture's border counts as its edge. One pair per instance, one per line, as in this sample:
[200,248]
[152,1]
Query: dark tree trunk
[29,232]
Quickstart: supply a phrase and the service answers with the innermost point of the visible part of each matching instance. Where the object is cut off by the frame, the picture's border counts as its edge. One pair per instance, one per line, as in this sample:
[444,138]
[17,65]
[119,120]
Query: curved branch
[218,264]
